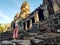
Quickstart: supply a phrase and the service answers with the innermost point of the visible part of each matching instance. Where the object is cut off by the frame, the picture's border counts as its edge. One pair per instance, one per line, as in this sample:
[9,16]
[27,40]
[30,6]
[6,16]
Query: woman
[15,32]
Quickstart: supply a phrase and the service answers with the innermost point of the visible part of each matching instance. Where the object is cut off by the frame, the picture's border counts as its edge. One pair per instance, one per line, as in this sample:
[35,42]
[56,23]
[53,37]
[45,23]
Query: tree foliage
[1,28]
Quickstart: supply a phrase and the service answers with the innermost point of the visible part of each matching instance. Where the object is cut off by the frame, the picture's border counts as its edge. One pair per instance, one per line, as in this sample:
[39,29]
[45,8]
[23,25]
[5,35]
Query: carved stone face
[25,10]
[25,6]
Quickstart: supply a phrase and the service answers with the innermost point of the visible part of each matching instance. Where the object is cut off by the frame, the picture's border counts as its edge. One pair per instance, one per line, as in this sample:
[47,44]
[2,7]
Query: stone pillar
[30,23]
[26,26]
[36,17]
[22,26]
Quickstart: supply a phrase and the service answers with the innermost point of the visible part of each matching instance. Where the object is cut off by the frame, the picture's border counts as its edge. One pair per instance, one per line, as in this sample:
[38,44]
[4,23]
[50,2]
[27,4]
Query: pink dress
[15,32]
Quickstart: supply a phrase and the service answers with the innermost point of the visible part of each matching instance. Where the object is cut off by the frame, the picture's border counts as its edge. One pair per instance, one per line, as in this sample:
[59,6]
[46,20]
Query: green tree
[1,28]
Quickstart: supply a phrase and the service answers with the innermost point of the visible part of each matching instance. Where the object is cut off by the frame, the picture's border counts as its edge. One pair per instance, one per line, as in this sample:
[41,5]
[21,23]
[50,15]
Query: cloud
[4,16]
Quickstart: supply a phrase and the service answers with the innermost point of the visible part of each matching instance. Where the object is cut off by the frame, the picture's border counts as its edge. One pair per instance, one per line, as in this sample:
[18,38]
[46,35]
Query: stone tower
[53,6]
[25,10]
[49,6]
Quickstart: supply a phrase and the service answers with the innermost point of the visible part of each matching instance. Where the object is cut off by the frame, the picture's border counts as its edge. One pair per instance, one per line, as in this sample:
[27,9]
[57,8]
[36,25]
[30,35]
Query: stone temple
[49,11]
[43,22]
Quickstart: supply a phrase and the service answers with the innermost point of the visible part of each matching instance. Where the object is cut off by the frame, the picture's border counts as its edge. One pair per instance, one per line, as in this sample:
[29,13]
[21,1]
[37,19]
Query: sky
[9,8]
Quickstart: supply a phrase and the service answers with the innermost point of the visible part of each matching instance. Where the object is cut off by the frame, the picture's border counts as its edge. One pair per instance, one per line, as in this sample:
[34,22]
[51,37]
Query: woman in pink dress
[15,32]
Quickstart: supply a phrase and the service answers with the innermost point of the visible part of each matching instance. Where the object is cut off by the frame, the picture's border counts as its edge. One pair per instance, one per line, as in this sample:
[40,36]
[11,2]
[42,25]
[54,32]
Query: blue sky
[9,8]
